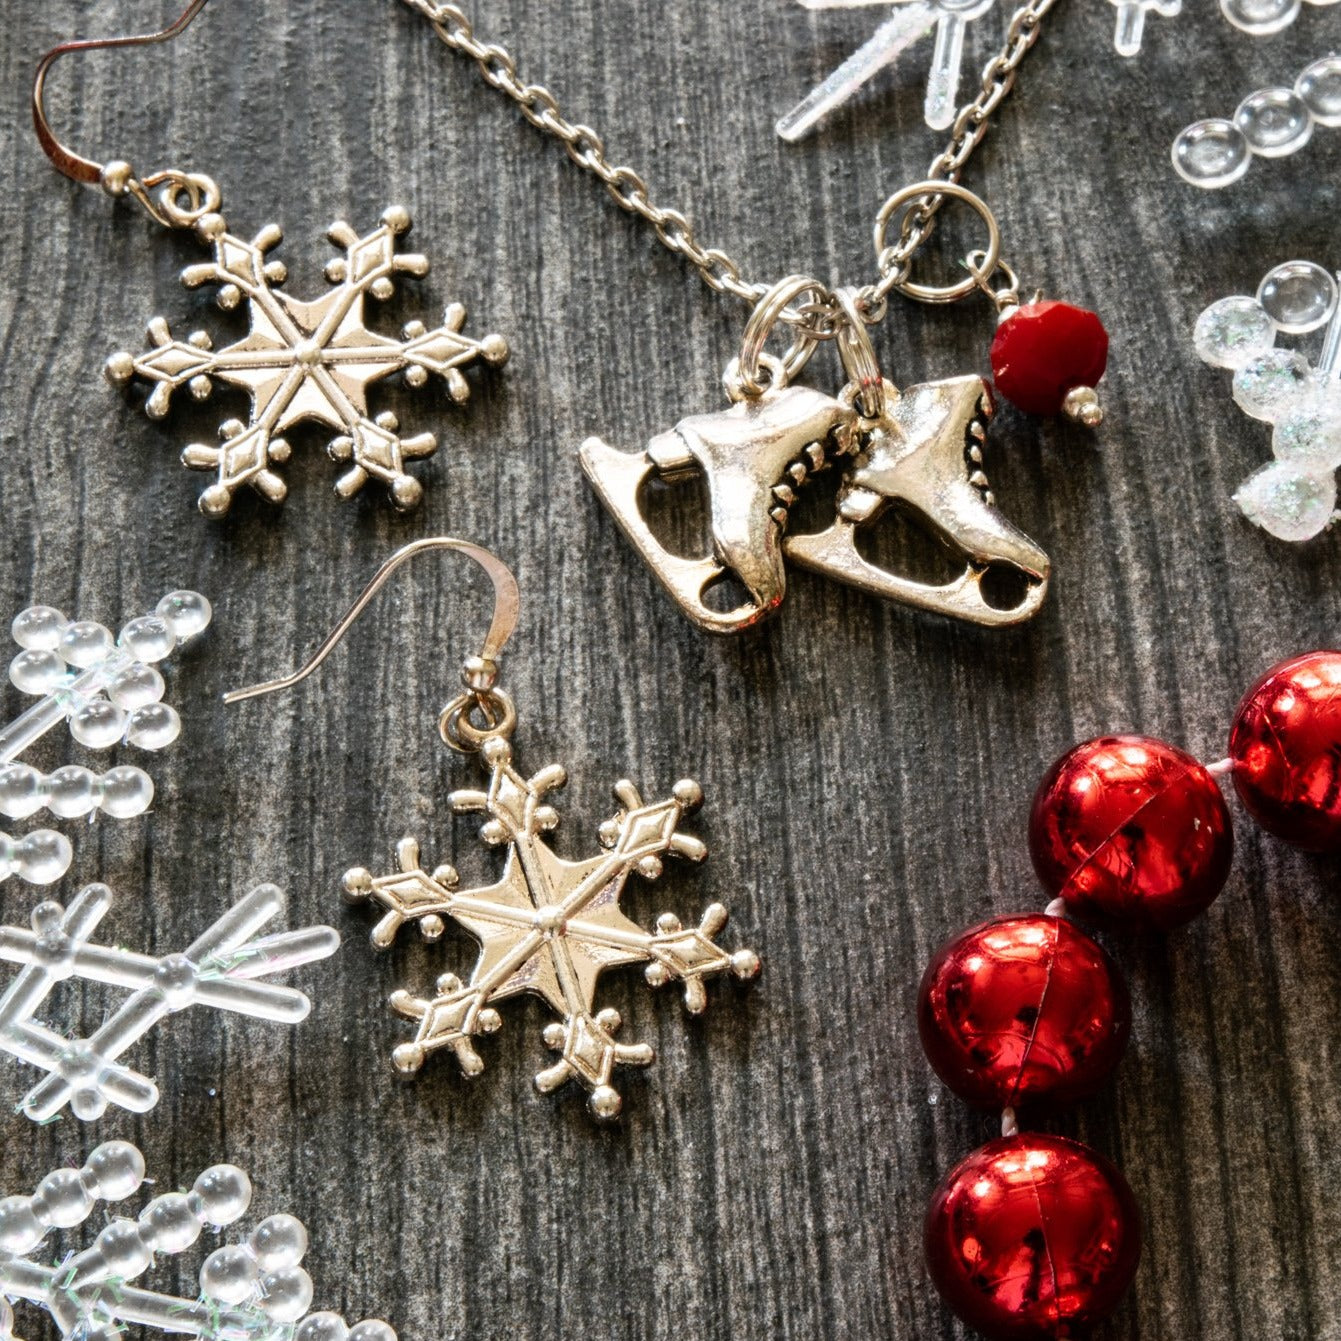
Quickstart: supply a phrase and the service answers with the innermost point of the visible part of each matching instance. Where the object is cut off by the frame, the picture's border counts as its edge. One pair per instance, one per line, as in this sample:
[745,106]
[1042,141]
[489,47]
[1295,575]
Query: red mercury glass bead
[1022,1008]
[1130,828]
[1033,1238]
[1286,748]
[1044,352]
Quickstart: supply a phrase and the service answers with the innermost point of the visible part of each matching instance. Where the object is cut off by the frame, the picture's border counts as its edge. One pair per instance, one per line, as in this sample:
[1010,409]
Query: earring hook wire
[74,165]
[507,606]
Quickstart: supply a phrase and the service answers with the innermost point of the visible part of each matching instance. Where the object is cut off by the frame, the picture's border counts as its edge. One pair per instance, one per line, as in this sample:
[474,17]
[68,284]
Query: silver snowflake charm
[109,692]
[550,926]
[254,1289]
[306,362]
[223,969]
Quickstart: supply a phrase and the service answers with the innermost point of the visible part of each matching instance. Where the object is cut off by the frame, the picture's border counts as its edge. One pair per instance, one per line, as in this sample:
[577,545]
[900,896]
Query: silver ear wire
[478,673]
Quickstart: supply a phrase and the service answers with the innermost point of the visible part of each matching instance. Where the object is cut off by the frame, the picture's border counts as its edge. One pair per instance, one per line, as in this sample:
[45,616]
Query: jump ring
[457,730]
[766,315]
[858,355]
[903,202]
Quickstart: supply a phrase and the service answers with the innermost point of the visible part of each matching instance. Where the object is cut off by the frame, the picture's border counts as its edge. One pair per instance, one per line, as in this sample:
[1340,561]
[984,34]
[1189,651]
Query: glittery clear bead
[1298,296]
[1261,17]
[1308,437]
[39,628]
[1274,121]
[1211,153]
[98,724]
[1233,332]
[1320,89]
[1286,503]
[1273,383]
[186,613]
[37,672]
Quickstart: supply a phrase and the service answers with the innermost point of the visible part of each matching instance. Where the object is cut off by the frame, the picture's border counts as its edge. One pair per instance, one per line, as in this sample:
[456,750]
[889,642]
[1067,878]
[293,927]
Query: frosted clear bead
[123,1249]
[1308,437]
[42,857]
[1319,87]
[1273,383]
[153,726]
[39,627]
[1286,503]
[62,1200]
[126,791]
[1211,153]
[279,1241]
[372,1329]
[20,1229]
[147,638]
[22,791]
[1274,121]
[1261,17]
[185,612]
[98,724]
[37,672]
[136,686]
[321,1327]
[117,1169]
[72,791]
[286,1294]
[1233,332]
[85,643]
[171,1221]
[228,1275]
[224,1193]
[1298,296]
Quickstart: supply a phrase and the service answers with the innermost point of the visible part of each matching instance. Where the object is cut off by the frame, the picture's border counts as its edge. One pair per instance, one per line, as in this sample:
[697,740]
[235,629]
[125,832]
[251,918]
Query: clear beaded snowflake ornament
[254,1289]
[1294,496]
[110,693]
[908,23]
[1270,123]
[223,969]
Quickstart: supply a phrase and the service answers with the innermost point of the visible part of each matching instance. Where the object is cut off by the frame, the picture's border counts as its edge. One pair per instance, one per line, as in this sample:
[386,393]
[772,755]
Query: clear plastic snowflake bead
[39,628]
[1287,503]
[1261,17]
[40,858]
[1319,89]
[98,723]
[1274,121]
[1211,153]
[148,638]
[1273,383]
[153,727]
[127,791]
[85,642]
[1233,332]
[186,613]
[38,671]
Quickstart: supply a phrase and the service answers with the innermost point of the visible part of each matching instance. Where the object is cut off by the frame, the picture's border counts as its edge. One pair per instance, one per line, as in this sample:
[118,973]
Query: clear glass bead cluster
[110,692]
[1270,123]
[253,1290]
[1294,496]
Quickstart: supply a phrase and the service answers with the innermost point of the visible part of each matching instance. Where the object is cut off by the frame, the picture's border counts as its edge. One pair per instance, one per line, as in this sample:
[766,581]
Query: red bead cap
[1286,748]
[1044,352]
[1131,829]
[1033,1238]
[1023,1008]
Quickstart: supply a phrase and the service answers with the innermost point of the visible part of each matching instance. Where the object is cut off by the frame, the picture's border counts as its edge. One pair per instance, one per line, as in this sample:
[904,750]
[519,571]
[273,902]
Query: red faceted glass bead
[1033,1238]
[1023,1008]
[1130,828]
[1041,351]
[1286,748]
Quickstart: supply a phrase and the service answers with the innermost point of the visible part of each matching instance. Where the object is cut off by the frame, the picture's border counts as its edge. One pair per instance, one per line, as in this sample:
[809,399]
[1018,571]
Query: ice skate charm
[109,692]
[1293,497]
[306,361]
[920,448]
[549,926]
[223,969]
[254,1288]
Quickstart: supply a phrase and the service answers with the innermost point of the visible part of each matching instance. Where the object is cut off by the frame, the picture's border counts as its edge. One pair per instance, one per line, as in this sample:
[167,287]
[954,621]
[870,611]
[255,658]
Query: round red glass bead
[1286,748]
[1043,350]
[1033,1238]
[1130,828]
[1023,1008]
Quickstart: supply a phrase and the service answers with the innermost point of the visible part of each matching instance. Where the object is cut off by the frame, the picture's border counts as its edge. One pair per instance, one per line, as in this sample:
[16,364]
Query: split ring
[766,315]
[902,203]
[858,356]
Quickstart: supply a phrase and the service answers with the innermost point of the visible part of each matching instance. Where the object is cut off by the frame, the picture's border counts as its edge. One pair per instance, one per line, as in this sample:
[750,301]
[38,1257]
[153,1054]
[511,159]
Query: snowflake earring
[108,692]
[549,926]
[255,1288]
[1293,497]
[300,361]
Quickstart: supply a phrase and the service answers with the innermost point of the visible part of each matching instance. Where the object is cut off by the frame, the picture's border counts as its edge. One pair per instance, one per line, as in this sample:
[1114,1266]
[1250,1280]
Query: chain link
[718,270]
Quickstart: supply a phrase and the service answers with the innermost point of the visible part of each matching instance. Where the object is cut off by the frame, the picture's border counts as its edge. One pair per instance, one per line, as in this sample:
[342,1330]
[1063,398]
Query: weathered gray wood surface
[868,771]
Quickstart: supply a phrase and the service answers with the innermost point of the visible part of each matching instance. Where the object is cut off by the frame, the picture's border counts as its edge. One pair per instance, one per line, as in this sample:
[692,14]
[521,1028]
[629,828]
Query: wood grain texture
[868,771]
